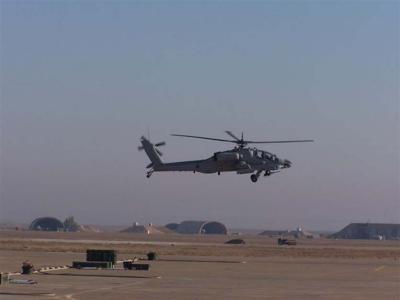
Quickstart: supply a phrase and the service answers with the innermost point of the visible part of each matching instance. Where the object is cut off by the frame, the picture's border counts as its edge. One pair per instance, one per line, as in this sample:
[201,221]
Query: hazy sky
[81,81]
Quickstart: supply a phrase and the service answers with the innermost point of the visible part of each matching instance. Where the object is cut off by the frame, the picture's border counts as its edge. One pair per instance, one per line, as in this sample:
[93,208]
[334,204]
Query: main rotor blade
[277,142]
[204,138]
[232,135]
[160,144]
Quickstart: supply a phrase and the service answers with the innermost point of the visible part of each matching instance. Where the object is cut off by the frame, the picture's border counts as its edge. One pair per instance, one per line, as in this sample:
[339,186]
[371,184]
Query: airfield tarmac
[202,267]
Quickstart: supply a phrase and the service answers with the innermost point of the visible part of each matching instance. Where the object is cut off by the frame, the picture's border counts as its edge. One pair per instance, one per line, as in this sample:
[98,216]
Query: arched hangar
[47,224]
[202,227]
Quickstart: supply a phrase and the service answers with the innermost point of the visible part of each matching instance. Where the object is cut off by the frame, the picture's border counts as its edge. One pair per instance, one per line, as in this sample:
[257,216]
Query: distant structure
[54,224]
[172,226]
[136,228]
[47,224]
[298,233]
[369,231]
[201,227]
[149,229]
[236,242]
[71,225]
[185,227]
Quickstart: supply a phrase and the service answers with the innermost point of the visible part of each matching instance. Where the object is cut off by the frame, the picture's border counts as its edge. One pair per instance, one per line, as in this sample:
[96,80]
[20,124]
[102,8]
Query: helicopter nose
[287,163]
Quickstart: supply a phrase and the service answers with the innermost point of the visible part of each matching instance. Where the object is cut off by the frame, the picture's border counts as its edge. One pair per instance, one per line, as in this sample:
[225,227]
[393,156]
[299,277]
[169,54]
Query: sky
[81,81]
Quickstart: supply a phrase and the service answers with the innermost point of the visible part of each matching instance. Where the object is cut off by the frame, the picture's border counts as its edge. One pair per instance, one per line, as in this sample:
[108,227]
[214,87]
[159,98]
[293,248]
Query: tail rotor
[140,148]
[156,145]
[153,153]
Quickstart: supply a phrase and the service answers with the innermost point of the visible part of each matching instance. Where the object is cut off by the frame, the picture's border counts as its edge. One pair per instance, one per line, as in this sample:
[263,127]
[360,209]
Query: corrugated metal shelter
[172,226]
[369,231]
[47,224]
[202,227]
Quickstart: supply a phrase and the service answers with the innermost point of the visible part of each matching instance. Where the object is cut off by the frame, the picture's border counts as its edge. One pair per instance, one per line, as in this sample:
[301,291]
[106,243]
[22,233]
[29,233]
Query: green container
[152,256]
[27,269]
[101,255]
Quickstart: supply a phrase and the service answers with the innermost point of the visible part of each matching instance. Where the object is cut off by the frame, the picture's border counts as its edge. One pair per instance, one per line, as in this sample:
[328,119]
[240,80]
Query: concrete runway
[212,277]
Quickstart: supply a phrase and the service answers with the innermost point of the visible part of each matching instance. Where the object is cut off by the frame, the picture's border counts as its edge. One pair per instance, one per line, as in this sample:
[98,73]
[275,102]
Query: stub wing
[191,165]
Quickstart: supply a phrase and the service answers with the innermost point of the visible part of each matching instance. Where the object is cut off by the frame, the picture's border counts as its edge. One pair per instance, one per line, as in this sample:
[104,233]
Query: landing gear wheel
[254,178]
[267,173]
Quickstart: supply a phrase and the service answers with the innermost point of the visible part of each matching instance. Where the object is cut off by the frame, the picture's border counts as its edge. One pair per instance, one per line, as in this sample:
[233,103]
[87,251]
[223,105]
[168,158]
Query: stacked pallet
[100,259]
[102,255]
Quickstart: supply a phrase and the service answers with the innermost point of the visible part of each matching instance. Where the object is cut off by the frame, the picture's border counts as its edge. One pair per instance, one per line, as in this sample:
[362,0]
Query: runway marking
[379,268]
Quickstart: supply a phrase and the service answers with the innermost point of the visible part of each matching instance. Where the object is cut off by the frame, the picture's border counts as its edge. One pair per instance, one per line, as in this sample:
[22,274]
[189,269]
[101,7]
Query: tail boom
[151,152]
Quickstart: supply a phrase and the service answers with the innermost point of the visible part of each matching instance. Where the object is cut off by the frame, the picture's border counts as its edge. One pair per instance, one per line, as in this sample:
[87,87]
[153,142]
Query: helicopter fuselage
[242,160]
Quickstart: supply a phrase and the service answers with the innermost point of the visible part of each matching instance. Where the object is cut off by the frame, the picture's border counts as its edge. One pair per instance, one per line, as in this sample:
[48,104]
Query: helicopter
[241,159]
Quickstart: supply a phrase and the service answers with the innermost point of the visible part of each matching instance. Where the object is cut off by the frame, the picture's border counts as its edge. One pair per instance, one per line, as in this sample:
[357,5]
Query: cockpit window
[266,155]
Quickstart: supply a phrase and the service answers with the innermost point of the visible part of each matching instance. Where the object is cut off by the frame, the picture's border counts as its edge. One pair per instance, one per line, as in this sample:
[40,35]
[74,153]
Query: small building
[137,228]
[298,233]
[369,231]
[47,224]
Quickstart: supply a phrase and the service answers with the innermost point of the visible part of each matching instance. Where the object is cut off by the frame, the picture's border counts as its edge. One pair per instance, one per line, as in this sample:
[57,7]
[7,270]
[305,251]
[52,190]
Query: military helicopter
[241,159]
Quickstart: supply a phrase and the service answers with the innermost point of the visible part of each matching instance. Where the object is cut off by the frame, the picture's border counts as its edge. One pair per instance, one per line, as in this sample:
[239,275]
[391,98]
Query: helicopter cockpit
[263,154]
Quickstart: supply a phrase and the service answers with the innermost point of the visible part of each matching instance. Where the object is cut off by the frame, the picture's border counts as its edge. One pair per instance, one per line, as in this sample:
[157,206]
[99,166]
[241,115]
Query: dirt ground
[202,267]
